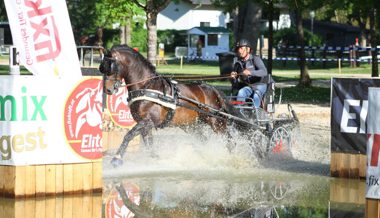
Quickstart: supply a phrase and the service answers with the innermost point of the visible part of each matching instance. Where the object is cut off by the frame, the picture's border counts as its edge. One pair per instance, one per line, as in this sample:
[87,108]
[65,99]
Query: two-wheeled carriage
[269,131]
[157,102]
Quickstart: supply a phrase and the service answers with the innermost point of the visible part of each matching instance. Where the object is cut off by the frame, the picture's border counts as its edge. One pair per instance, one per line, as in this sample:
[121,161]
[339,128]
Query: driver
[250,76]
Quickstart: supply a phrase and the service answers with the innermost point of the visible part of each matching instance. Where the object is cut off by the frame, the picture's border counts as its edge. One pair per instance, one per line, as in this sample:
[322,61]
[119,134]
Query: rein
[141,81]
[190,78]
[181,78]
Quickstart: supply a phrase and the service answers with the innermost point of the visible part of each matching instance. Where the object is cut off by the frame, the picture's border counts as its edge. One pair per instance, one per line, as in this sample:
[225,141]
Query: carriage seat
[267,100]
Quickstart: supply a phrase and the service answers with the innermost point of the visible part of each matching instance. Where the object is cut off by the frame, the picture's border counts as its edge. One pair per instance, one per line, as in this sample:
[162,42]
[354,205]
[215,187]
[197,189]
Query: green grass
[4,70]
[310,95]
[290,73]
[175,68]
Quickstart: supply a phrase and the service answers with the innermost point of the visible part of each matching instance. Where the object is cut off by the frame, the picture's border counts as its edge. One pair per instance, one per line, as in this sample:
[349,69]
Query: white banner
[373,144]
[49,120]
[41,31]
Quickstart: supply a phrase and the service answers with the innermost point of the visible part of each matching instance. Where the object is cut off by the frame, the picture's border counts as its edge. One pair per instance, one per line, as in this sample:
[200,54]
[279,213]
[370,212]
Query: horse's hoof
[116,162]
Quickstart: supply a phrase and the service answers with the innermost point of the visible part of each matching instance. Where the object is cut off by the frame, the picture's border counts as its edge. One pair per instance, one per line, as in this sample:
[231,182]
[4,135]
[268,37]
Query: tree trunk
[99,37]
[235,20]
[152,8]
[125,33]
[363,40]
[375,68]
[270,37]
[305,80]
[128,32]
[151,24]
[249,16]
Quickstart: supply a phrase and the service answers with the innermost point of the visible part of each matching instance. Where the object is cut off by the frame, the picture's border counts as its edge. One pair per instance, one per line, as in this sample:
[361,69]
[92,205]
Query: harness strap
[152,95]
[174,99]
[162,98]
[201,108]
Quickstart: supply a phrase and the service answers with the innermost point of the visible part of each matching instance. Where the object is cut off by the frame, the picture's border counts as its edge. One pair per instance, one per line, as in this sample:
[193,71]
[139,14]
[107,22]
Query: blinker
[108,66]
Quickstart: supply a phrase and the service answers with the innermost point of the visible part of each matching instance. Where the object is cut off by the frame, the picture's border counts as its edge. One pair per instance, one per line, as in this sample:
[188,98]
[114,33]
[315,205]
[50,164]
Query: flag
[373,144]
[42,33]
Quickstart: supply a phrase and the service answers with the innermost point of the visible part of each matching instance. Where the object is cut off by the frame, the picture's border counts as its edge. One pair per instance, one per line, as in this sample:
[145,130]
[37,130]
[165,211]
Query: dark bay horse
[157,102]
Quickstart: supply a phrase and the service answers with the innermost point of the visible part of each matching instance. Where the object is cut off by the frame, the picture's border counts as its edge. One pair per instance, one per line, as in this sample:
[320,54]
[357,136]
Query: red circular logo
[83,119]
[115,206]
[118,108]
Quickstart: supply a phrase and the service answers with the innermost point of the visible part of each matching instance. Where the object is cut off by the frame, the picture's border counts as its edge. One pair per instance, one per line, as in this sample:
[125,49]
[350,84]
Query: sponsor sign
[83,119]
[115,206]
[118,108]
[41,31]
[373,144]
[49,120]
[349,106]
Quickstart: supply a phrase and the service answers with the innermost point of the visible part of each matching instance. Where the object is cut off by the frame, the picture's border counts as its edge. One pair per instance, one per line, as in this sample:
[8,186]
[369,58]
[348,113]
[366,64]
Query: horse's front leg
[147,137]
[141,127]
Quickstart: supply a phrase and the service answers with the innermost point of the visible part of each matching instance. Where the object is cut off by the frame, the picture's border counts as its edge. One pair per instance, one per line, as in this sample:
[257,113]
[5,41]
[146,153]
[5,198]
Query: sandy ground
[313,141]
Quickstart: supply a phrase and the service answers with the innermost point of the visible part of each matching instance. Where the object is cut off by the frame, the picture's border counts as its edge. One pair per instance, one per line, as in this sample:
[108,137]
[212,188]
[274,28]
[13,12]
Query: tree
[269,5]
[152,8]
[372,23]
[114,12]
[364,15]
[248,22]
[246,16]
[298,9]
[91,17]
[3,12]
[82,16]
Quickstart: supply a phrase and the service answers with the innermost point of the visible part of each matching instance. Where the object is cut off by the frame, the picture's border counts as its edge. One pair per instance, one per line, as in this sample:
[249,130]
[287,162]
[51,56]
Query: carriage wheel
[279,189]
[280,141]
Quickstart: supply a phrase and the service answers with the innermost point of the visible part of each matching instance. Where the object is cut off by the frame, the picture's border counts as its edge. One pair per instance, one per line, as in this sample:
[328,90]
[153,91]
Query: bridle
[111,73]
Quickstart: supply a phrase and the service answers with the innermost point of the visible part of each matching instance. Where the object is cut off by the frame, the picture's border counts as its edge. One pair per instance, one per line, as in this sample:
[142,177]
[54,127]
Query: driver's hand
[234,74]
[246,72]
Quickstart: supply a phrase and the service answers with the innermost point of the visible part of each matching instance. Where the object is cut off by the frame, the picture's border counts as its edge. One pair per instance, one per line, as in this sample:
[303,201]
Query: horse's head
[122,62]
[111,76]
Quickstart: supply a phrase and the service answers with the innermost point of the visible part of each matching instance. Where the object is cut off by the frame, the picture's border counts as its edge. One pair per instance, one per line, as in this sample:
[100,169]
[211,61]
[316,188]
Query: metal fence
[353,54]
[89,56]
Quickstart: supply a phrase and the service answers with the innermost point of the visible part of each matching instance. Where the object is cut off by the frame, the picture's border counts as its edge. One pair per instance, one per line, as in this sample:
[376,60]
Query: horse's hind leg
[140,127]
[147,137]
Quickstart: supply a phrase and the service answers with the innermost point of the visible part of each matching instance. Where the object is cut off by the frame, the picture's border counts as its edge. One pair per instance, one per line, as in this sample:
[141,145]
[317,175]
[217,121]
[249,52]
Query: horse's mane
[140,62]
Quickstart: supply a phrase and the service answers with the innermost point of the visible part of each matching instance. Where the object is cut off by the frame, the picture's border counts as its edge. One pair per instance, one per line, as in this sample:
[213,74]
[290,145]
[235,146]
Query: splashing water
[175,152]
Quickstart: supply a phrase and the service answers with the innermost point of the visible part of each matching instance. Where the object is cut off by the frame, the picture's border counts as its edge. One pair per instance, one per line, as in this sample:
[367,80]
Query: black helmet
[241,43]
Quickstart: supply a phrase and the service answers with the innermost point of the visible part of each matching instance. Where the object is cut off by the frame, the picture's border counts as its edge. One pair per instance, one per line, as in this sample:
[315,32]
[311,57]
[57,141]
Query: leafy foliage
[86,16]
[111,37]
[288,36]
[172,38]
[82,16]
[3,12]
[139,37]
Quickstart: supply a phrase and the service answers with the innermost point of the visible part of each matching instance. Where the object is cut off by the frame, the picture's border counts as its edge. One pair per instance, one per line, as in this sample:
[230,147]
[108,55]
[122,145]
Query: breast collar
[160,97]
